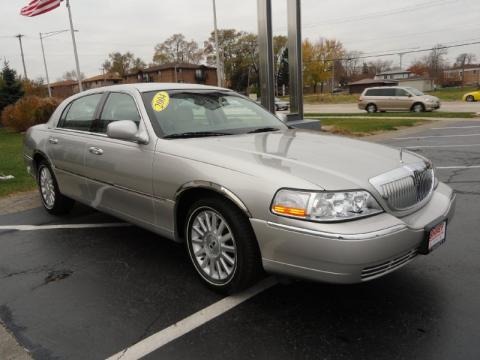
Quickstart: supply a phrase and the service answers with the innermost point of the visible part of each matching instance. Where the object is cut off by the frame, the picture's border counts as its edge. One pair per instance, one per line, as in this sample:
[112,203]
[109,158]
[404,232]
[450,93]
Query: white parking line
[67,226]
[458,167]
[163,337]
[440,146]
[456,127]
[433,136]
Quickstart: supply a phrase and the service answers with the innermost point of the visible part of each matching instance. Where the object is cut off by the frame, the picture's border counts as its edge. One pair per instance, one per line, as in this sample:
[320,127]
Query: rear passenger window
[388,92]
[80,113]
[118,107]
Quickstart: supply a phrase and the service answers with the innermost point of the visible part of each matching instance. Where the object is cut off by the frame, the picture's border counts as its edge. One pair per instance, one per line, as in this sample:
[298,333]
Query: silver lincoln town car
[210,168]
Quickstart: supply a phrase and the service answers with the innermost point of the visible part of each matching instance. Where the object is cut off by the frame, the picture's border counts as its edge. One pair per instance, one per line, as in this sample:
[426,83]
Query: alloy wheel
[47,187]
[212,246]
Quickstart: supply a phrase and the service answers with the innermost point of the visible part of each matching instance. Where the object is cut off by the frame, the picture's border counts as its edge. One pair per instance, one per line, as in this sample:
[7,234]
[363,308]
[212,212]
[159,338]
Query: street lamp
[43,36]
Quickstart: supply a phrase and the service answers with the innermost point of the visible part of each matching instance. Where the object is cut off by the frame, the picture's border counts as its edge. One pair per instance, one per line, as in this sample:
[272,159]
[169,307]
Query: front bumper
[349,252]
[432,106]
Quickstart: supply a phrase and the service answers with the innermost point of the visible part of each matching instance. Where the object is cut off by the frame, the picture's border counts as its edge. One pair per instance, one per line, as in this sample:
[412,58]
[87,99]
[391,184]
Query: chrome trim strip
[304,268]
[216,187]
[363,236]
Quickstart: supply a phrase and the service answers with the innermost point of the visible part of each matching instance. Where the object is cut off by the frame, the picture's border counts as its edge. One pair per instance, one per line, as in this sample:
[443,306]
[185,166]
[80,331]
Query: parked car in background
[209,168]
[396,98]
[472,96]
[281,104]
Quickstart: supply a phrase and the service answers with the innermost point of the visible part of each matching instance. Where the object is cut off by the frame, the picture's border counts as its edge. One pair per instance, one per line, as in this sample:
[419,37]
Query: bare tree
[176,49]
[462,60]
[72,75]
[121,64]
[436,62]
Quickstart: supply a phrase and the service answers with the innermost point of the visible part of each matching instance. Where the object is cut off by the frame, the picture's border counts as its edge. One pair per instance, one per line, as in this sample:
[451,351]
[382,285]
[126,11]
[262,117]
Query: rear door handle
[52,140]
[95,150]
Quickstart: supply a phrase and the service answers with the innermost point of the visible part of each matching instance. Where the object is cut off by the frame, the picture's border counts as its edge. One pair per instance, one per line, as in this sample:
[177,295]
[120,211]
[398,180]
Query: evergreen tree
[10,87]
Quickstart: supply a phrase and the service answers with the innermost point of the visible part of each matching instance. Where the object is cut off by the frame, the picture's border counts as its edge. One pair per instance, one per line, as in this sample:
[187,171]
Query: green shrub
[28,111]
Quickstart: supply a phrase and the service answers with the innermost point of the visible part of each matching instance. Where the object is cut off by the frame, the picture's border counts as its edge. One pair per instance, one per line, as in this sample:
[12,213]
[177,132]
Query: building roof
[373,81]
[63,83]
[392,72]
[171,66]
[467,67]
[107,76]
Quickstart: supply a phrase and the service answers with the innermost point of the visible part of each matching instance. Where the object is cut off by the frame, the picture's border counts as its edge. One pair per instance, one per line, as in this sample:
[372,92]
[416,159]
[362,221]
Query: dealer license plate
[437,236]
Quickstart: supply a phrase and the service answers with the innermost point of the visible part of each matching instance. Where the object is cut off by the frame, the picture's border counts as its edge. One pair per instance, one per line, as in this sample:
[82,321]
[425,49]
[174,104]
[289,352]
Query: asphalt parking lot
[87,287]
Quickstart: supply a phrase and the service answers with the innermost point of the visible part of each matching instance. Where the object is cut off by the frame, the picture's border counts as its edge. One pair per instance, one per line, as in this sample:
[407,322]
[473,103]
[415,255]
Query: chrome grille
[405,187]
[374,271]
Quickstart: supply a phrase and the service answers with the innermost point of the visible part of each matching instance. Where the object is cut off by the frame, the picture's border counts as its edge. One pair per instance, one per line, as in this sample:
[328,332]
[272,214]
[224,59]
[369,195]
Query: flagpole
[46,69]
[80,87]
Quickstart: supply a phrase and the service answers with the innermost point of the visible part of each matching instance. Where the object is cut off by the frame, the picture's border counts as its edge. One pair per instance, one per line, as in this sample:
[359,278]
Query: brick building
[175,73]
[454,76]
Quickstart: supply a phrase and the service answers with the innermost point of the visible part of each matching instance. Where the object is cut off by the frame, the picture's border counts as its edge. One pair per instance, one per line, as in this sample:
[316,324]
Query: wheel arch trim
[208,185]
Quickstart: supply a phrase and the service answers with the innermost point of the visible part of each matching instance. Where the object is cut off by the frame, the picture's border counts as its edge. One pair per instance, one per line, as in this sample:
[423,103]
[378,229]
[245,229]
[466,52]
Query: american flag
[37,7]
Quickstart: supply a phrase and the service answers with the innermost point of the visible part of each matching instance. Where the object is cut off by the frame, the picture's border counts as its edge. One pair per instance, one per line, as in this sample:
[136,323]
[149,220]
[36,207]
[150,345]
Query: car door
[66,145]
[387,98]
[120,171]
[403,99]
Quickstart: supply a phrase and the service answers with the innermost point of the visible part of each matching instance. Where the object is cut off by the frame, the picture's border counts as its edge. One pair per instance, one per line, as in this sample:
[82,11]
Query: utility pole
[45,65]
[19,36]
[217,49]
[77,64]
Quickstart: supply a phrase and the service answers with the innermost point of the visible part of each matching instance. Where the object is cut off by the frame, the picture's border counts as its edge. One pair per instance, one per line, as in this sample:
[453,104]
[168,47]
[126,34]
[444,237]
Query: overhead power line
[441,47]
[416,7]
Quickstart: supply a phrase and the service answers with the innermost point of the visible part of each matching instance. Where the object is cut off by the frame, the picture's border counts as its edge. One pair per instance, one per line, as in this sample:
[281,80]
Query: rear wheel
[418,108]
[371,108]
[470,98]
[221,245]
[53,201]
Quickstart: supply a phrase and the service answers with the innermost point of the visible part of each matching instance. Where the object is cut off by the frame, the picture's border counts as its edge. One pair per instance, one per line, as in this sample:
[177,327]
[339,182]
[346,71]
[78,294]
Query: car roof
[146,87]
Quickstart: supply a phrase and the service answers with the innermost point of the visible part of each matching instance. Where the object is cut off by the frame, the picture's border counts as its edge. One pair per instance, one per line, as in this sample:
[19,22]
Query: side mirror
[409,95]
[126,130]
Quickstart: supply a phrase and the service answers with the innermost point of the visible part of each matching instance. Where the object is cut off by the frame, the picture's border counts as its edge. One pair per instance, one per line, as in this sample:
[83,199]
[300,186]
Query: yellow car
[472,96]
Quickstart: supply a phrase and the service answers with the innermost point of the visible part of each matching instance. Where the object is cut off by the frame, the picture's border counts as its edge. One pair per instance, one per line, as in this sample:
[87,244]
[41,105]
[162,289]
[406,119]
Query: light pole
[217,50]
[19,36]
[43,36]
[77,64]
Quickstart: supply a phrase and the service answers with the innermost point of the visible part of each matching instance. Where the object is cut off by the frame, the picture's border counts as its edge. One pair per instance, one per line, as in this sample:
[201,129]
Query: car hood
[429,97]
[296,157]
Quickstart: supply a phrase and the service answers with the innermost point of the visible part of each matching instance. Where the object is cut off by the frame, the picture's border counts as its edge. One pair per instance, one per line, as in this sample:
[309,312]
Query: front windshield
[415,91]
[205,112]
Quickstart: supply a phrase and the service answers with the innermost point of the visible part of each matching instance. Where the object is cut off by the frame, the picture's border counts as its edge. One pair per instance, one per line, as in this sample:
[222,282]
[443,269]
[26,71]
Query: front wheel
[222,245]
[53,201]
[470,98]
[418,108]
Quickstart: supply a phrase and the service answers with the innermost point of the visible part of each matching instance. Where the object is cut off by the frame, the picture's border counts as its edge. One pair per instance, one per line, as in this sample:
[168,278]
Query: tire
[418,108]
[53,201]
[371,108]
[470,98]
[229,265]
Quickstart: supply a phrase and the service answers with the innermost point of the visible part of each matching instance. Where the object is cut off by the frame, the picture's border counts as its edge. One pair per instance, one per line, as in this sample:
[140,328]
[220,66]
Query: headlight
[324,206]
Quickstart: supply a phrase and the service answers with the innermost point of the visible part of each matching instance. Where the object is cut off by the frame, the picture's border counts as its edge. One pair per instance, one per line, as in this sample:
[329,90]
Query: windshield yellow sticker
[160,101]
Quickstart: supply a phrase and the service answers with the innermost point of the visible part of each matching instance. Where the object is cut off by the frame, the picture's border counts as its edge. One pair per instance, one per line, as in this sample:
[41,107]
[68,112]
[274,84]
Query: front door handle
[95,150]
[52,140]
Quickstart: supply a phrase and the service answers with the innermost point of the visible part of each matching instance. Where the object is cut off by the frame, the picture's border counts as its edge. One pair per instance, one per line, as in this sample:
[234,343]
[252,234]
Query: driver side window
[401,92]
[118,106]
